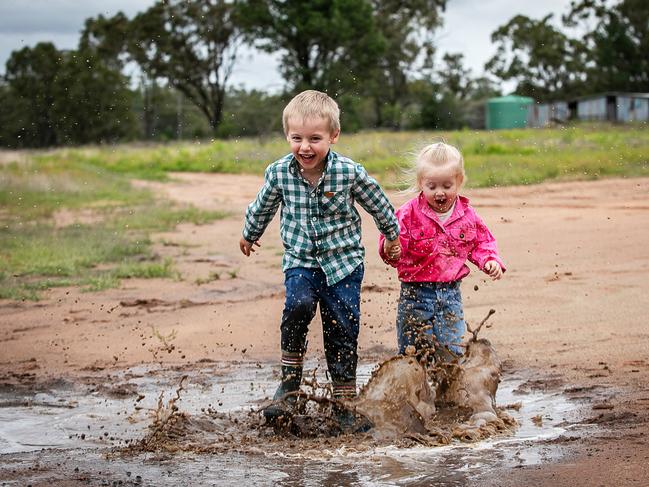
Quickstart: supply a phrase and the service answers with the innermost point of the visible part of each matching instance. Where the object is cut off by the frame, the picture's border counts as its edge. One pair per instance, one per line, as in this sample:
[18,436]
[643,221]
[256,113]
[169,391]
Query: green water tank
[508,112]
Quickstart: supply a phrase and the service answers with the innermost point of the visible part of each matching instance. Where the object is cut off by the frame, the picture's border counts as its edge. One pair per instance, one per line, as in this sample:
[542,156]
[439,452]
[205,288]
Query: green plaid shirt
[320,226]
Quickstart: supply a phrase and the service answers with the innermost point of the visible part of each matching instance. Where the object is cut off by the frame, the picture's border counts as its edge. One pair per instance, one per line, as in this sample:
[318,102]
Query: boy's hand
[247,247]
[493,269]
[392,249]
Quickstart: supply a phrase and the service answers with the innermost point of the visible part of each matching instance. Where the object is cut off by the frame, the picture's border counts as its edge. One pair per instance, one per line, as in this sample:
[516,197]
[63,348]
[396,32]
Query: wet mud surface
[96,432]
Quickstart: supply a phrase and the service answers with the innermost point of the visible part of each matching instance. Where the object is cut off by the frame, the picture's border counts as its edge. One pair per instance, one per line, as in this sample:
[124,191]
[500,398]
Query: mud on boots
[348,420]
[291,379]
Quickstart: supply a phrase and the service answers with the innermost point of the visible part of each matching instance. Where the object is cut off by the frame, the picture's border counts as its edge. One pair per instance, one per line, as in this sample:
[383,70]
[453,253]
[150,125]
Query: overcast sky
[467,28]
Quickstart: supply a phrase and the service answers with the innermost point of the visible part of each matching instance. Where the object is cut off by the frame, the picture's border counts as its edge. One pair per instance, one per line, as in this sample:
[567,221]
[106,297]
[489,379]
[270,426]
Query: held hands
[493,269]
[247,247]
[392,249]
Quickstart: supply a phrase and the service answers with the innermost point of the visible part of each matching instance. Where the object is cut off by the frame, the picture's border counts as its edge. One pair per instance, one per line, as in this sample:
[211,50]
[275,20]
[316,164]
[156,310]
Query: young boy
[321,231]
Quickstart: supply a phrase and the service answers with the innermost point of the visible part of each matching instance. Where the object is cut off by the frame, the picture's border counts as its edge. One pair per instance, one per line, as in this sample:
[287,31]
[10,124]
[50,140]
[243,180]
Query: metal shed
[612,107]
[542,114]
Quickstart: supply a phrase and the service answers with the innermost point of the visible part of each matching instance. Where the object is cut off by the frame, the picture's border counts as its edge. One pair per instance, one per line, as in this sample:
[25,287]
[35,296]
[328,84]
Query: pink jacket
[436,252]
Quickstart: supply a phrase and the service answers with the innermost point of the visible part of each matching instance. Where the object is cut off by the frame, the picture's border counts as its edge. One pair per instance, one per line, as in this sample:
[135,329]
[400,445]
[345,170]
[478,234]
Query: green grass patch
[503,157]
[145,270]
[40,250]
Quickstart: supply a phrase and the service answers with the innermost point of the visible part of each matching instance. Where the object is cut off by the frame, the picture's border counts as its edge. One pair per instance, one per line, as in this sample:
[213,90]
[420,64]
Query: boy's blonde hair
[436,155]
[312,104]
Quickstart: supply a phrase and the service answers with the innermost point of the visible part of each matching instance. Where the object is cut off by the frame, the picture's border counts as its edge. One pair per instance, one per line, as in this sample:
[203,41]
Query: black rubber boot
[291,379]
[349,422]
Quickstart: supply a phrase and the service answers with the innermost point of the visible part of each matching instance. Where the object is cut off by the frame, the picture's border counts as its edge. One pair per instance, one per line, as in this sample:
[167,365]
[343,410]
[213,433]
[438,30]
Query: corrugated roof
[613,93]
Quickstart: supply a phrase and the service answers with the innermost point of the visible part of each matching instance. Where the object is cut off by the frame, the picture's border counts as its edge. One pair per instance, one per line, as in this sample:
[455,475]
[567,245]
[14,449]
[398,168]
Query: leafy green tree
[163,113]
[454,77]
[407,28]
[31,74]
[616,43]
[192,46]
[452,98]
[91,101]
[328,45]
[253,112]
[544,62]
[63,97]
[107,38]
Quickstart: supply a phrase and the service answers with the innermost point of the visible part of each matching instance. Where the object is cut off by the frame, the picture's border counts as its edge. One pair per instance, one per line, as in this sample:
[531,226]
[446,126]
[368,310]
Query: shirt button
[314,218]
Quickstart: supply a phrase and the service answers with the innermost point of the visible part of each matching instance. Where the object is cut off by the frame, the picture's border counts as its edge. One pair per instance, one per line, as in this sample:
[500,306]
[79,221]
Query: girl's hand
[247,247]
[493,269]
[392,249]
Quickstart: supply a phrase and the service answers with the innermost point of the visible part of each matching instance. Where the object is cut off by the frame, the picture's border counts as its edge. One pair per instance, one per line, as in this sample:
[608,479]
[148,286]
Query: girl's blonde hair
[312,104]
[436,155]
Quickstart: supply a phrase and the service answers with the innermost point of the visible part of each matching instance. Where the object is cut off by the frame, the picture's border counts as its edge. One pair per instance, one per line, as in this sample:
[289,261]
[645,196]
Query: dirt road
[571,308]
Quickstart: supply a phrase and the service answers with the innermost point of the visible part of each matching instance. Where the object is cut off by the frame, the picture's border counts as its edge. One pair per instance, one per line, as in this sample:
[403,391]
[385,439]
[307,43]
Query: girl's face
[440,186]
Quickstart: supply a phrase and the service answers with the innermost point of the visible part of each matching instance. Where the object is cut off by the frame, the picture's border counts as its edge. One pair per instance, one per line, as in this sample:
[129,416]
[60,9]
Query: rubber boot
[291,379]
[348,421]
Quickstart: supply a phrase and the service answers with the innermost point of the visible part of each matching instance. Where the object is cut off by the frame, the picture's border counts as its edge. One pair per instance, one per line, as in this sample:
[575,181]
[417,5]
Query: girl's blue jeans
[340,313]
[430,314]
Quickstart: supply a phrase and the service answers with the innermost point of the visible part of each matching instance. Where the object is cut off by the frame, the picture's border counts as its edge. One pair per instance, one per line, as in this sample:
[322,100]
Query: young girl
[439,232]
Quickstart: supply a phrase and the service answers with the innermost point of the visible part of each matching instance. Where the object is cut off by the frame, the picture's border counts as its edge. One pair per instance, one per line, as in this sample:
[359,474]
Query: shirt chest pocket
[423,241]
[334,203]
[463,237]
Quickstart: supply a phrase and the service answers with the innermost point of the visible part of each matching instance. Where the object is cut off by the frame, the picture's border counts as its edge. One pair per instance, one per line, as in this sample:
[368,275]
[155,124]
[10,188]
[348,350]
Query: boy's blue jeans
[430,310]
[340,313]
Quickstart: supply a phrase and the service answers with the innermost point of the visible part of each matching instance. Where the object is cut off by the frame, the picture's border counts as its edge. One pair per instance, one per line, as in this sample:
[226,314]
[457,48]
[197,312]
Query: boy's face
[310,141]
[440,187]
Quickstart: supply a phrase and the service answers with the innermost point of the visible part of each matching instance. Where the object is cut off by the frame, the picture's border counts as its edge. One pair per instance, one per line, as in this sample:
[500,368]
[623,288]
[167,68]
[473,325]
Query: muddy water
[71,432]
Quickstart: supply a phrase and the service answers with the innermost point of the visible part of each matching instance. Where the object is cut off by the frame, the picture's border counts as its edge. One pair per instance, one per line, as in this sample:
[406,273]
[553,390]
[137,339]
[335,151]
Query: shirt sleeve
[485,248]
[261,211]
[370,196]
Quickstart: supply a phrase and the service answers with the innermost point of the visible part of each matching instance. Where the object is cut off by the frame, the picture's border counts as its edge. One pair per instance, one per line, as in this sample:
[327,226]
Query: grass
[504,157]
[39,252]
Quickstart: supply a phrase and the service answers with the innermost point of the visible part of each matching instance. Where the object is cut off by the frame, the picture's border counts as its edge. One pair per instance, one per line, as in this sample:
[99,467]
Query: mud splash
[397,405]
[86,438]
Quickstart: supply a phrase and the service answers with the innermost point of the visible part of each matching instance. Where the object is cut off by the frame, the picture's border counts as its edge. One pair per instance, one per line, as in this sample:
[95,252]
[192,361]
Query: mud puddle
[77,433]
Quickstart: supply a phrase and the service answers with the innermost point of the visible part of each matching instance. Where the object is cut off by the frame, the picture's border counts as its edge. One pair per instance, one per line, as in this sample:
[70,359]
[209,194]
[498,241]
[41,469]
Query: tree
[407,28]
[91,101]
[326,45]
[617,46]
[107,39]
[30,75]
[59,97]
[192,46]
[545,63]
[454,77]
